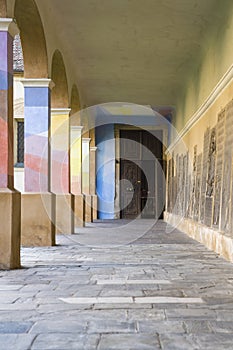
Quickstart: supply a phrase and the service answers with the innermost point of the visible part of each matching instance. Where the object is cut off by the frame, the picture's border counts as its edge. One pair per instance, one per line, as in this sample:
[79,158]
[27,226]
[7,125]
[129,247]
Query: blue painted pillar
[105,171]
[36,131]
[38,213]
[9,198]
[7,31]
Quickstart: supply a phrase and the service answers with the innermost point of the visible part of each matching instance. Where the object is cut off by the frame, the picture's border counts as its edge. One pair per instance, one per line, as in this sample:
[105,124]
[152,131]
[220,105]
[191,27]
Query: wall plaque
[204,173]
[226,184]
[197,188]
[220,133]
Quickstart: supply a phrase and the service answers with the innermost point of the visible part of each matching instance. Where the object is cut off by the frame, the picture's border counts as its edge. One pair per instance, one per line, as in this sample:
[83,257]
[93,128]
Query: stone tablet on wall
[186,184]
[180,185]
[220,133]
[231,206]
[193,182]
[204,174]
[226,203]
[211,164]
[169,185]
[197,188]
[208,217]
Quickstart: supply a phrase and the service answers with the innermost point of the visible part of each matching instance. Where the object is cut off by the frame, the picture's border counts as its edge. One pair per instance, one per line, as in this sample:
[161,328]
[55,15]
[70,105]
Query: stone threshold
[125,281]
[132,300]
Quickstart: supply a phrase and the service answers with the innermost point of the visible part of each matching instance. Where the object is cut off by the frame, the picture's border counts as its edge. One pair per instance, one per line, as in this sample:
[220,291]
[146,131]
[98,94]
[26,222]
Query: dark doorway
[141,174]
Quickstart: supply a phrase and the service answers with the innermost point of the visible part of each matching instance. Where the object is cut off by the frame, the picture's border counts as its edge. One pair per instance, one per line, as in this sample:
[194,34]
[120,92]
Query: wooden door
[139,150]
[130,189]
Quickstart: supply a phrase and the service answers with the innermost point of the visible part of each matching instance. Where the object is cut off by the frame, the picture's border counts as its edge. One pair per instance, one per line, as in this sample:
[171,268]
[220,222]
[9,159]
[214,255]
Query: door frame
[117,129]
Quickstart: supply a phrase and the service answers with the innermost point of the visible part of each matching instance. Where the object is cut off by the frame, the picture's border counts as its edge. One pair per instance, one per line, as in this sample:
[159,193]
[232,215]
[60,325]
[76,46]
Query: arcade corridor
[116,109]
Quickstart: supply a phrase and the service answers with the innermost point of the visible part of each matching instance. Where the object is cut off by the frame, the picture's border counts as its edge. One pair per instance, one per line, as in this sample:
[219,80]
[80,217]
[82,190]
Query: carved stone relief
[180,185]
[211,164]
[193,182]
[204,174]
[169,186]
[225,223]
[220,132]
[231,206]
[203,190]
[197,188]
[210,179]
[187,184]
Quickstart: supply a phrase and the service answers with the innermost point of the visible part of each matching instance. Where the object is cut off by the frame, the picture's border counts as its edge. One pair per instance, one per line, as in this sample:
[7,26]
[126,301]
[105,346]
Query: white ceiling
[137,51]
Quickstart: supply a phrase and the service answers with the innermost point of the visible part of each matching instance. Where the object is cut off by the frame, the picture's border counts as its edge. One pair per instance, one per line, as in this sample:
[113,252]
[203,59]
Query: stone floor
[118,285]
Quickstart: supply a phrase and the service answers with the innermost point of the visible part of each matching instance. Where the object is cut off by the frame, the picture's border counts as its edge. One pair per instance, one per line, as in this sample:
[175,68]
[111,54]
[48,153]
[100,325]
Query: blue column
[7,31]
[10,200]
[105,171]
[36,128]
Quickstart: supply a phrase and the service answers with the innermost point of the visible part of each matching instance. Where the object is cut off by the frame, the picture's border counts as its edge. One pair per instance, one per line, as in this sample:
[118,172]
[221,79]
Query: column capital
[38,83]
[76,127]
[9,25]
[93,149]
[60,111]
[86,140]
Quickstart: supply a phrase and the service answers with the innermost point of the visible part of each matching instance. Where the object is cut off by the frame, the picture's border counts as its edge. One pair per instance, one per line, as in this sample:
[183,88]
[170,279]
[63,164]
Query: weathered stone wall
[200,184]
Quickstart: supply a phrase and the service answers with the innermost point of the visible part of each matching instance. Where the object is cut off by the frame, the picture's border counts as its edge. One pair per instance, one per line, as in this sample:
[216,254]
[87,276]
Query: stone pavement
[136,287]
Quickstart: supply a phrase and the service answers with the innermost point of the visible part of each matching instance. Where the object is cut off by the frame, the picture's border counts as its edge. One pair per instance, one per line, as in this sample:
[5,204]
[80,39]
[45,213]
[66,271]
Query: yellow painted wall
[209,119]
[216,59]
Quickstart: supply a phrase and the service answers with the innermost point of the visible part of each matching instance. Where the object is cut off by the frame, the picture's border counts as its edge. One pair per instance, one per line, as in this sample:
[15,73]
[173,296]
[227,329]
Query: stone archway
[75,106]
[33,40]
[3,9]
[59,95]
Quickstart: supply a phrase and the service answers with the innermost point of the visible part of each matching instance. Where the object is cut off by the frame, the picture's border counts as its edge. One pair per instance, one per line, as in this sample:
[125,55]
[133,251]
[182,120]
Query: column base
[88,208]
[94,206]
[37,219]
[64,214]
[79,210]
[10,208]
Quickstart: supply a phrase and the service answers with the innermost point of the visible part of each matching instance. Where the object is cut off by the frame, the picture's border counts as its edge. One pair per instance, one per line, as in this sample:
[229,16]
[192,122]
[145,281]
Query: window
[20,143]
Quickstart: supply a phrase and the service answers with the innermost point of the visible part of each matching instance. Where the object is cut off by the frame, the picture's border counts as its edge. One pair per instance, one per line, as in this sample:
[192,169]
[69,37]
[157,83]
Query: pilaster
[86,178]
[93,181]
[37,202]
[9,198]
[76,175]
[60,167]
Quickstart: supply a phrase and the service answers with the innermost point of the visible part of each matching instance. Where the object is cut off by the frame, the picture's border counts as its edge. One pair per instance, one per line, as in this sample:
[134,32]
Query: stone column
[37,202]
[76,174]
[86,178]
[9,198]
[93,181]
[60,167]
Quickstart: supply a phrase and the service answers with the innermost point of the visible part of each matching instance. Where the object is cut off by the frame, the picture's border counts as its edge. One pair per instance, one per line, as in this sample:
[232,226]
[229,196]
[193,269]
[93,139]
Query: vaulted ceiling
[138,51]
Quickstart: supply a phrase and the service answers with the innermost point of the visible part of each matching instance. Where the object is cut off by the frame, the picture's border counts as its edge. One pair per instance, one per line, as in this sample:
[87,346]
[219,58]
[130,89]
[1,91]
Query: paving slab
[16,341]
[70,341]
[128,341]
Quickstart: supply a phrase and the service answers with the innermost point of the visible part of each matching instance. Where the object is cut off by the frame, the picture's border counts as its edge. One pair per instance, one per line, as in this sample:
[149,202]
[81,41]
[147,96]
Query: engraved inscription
[193,181]
[210,179]
[204,174]
[226,197]
[197,188]
[211,164]
[220,132]
[187,184]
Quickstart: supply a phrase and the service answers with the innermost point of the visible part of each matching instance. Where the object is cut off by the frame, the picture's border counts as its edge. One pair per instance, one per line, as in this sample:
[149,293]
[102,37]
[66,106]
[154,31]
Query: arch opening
[59,95]
[33,39]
